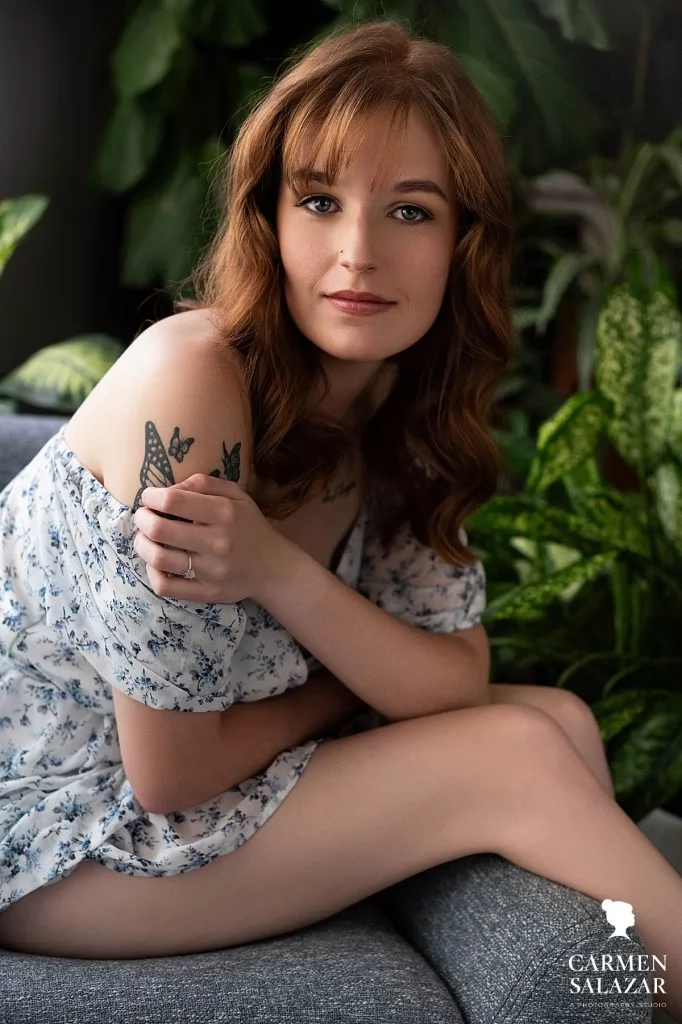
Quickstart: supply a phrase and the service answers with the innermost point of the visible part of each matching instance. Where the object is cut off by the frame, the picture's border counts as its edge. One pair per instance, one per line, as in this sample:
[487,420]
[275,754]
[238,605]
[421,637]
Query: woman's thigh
[368,811]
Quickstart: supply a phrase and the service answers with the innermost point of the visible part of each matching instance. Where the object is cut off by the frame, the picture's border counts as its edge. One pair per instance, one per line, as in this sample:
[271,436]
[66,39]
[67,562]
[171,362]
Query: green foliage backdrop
[181,81]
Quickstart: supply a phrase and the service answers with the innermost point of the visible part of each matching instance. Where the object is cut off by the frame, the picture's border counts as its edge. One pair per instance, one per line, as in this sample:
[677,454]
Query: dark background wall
[52,109]
[54,103]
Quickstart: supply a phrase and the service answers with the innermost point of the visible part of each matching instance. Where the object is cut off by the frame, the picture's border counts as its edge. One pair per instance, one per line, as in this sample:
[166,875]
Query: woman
[170,550]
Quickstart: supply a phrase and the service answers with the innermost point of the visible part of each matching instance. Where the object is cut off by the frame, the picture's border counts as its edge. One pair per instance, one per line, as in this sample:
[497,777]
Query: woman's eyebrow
[303,175]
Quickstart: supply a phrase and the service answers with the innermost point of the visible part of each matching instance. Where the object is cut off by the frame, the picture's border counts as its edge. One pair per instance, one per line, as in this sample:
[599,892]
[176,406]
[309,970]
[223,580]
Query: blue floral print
[78,616]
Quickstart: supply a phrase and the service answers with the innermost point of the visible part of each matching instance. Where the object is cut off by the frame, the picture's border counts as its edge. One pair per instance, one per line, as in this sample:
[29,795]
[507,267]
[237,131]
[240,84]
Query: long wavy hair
[429,452]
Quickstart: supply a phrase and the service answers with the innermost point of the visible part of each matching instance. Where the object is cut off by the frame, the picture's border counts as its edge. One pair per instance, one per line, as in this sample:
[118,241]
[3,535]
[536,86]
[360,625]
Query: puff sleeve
[413,583]
[164,652]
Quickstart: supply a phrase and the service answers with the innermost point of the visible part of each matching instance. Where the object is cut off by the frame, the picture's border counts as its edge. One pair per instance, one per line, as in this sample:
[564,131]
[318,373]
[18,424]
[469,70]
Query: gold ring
[191,573]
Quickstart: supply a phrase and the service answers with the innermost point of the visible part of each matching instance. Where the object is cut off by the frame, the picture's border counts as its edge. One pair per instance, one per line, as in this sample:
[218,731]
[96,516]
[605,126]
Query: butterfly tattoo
[157,471]
[230,462]
[177,448]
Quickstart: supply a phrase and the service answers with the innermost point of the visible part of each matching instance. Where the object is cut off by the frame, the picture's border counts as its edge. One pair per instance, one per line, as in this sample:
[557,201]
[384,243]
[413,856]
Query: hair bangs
[340,132]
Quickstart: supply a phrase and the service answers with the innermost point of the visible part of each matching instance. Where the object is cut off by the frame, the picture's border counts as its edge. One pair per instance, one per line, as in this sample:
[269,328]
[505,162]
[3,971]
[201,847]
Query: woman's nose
[357,264]
[357,250]
[356,257]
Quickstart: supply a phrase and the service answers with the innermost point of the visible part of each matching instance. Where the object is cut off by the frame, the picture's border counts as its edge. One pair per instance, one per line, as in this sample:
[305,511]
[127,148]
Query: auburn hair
[429,451]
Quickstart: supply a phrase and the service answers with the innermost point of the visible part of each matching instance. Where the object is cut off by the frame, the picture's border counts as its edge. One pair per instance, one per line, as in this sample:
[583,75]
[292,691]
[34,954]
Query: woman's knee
[525,725]
[535,756]
[569,710]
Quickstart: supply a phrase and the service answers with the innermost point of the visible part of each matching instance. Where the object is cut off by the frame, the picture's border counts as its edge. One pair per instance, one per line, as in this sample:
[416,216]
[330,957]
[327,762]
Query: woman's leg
[367,812]
[571,712]
[370,810]
[586,846]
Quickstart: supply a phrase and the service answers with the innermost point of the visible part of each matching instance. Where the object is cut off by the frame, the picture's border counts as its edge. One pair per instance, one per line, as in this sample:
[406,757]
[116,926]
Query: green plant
[585,581]
[177,80]
[528,79]
[17,217]
[599,220]
[627,233]
[59,377]
[182,79]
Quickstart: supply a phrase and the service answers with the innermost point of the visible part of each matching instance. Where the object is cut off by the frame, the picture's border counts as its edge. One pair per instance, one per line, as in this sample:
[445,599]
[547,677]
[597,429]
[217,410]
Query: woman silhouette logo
[620,915]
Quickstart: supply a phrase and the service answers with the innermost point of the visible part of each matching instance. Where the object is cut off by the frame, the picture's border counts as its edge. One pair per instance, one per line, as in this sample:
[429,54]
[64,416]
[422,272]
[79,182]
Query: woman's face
[393,242]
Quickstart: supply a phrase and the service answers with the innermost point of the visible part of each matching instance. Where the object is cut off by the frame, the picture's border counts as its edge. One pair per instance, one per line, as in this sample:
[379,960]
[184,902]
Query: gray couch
[477,940]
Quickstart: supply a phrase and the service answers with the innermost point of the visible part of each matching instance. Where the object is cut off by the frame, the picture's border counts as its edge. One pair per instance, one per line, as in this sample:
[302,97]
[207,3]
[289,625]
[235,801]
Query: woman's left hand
[234,548]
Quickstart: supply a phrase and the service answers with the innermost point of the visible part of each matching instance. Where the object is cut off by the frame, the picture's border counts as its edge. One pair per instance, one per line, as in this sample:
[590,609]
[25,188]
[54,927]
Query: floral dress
[79,617]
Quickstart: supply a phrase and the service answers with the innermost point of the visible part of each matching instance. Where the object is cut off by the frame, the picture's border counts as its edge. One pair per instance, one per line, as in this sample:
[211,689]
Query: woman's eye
[424,214]
[315,199]
[405,206]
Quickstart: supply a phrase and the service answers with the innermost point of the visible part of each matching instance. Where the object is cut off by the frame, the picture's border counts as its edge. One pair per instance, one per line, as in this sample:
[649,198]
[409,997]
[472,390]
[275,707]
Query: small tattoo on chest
[340,491]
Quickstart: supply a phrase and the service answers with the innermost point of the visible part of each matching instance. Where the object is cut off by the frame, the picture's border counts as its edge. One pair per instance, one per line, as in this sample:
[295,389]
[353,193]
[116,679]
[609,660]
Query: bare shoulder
[190,335]
[177,373]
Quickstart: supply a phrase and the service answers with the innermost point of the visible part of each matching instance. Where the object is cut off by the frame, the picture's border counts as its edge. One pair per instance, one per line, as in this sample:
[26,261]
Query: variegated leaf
[646,752]
[676,424]
[622,527]
[638,345]
[667,482]
[536,520]
[579,479]
[567,439]
[526,601]
[618,711]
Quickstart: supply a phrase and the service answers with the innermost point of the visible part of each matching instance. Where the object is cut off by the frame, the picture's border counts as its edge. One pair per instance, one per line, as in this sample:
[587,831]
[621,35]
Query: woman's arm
[400,668]
[251,734]
[255,732]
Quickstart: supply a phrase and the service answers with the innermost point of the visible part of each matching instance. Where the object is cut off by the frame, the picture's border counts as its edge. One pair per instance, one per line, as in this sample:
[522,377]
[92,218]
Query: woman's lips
[359,308]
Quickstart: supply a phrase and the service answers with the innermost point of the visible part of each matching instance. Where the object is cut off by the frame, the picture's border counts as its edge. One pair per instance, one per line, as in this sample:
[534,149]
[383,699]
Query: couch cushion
[351,967]
[509,943]
[21,437]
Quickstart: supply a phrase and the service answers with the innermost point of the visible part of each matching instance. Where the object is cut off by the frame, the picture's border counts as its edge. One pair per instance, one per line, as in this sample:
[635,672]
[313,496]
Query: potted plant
[585,580]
